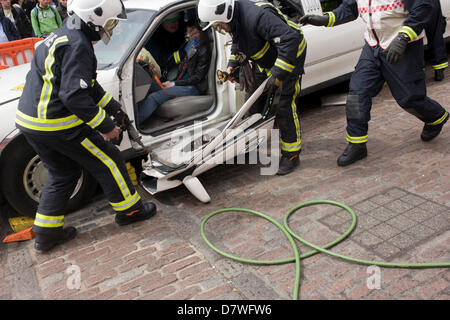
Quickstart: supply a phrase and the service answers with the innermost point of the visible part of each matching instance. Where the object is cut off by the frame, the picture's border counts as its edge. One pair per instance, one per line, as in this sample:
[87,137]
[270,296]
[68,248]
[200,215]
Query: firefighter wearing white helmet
[64,115]
[276,46]
[99,15]
[213,11]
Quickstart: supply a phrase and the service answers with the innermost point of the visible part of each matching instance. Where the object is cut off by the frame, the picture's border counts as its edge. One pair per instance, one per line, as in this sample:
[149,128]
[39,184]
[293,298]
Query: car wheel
[23,177]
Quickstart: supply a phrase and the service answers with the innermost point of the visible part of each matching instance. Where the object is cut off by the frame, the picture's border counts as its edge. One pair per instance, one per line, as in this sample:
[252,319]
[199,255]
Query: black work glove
[123,122]
[315,19]
[397,48]
[273,84]
[121,119]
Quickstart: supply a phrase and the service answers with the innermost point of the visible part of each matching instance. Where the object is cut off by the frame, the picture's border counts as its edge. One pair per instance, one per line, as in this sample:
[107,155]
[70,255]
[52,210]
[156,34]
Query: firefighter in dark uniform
[277,47]
[65,116]
[393,53]
[434,30]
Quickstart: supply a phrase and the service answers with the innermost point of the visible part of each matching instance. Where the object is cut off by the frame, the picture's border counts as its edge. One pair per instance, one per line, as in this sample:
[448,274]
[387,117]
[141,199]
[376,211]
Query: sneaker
[46,242]
[353,153]
[439,75]
[137,215]
[288,164]
[430,132]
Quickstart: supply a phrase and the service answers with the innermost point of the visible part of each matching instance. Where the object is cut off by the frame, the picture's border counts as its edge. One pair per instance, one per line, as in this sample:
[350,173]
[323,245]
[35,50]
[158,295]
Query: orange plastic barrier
[3,67]
[17,52]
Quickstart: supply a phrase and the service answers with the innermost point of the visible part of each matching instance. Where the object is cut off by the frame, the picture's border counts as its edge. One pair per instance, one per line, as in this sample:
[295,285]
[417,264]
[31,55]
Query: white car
[331,57]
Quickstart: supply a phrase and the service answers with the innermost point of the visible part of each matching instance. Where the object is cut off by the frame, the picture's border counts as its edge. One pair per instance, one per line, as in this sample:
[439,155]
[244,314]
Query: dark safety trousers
[287,118]
[406,81]
[435,30]
[64,156]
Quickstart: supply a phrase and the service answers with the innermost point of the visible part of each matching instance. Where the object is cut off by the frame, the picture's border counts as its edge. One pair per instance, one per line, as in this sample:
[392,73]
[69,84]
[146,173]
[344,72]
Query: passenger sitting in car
[193,63]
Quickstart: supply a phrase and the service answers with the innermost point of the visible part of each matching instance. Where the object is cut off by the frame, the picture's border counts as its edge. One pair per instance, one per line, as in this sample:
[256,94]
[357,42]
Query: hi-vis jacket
[266,36]
[61,93]
[384,18]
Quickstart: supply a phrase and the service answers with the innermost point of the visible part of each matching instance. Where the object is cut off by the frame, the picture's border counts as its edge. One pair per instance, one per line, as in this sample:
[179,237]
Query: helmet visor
[108,30]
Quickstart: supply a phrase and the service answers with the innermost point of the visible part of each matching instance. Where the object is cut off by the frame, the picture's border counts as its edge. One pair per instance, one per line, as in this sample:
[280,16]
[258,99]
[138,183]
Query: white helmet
[97,13]
[212,11]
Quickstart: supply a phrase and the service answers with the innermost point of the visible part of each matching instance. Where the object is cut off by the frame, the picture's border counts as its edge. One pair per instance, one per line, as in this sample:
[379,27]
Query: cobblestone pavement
[400,194]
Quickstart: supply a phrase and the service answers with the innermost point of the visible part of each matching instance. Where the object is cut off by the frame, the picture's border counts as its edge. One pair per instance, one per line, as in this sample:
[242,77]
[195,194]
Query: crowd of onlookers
[21,19]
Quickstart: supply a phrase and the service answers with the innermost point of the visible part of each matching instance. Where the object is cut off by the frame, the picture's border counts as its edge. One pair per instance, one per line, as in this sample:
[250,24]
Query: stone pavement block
[382,199]
[384,213]
[402,241]
[420,232]
[438,222]
[384,231]
[413,200]
[386,250]
[419,214]
[366,239]
[365,221]
[402,223]
[398,206]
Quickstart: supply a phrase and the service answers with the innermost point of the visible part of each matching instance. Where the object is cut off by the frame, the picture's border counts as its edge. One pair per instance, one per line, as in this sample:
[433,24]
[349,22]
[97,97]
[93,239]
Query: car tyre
[23,177]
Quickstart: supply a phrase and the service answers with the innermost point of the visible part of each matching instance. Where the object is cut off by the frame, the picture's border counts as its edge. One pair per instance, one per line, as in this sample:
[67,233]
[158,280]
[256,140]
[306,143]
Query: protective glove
[315,20]
[397,48]
[191,47]
[222,76]
[273,84]
[122,119]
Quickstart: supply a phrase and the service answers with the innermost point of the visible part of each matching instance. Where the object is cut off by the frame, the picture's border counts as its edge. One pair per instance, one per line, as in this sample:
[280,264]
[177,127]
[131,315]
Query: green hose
[316,249]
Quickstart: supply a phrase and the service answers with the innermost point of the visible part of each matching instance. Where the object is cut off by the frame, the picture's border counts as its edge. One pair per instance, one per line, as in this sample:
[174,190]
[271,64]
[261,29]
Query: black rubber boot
[288,164]
[439,75]
[46,242]
[353,153]
[430,132]
[137,215]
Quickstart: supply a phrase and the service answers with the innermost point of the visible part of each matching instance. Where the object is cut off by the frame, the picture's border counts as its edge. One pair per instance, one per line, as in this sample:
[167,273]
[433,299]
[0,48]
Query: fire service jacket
[384,18]
[61,93]
[266,36]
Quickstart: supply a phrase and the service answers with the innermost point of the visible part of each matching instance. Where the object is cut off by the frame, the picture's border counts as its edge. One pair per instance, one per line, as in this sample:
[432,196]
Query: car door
[445,6]
[332,52]
[160,139]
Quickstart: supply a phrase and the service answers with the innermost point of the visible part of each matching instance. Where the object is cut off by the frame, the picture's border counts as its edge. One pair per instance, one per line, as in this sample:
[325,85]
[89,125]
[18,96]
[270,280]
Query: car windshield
[124,35]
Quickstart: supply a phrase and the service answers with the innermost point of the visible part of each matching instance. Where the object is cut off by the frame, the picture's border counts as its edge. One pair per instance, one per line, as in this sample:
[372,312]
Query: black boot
[288,164]
[147,212]
[45,242]
[439,75]
[353,153]
[430,132]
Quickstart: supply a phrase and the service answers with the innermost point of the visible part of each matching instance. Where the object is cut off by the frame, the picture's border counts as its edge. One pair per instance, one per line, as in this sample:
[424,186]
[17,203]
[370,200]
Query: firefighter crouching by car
[64,115]
[276,45]
[393,52]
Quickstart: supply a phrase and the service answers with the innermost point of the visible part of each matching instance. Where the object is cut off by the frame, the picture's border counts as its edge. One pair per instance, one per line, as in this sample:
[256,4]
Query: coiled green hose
[316,249]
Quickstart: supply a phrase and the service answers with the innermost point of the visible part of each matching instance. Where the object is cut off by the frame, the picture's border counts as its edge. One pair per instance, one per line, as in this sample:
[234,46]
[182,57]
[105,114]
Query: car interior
[176,111]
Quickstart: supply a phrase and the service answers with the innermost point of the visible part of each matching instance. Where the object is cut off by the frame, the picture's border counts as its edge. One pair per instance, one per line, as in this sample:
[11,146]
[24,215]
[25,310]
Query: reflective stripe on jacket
[61,92]
[384,18]
[266,36]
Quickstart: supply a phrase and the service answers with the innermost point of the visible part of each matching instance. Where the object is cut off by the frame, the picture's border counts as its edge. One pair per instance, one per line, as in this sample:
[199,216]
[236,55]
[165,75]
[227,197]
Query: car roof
[150,4]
